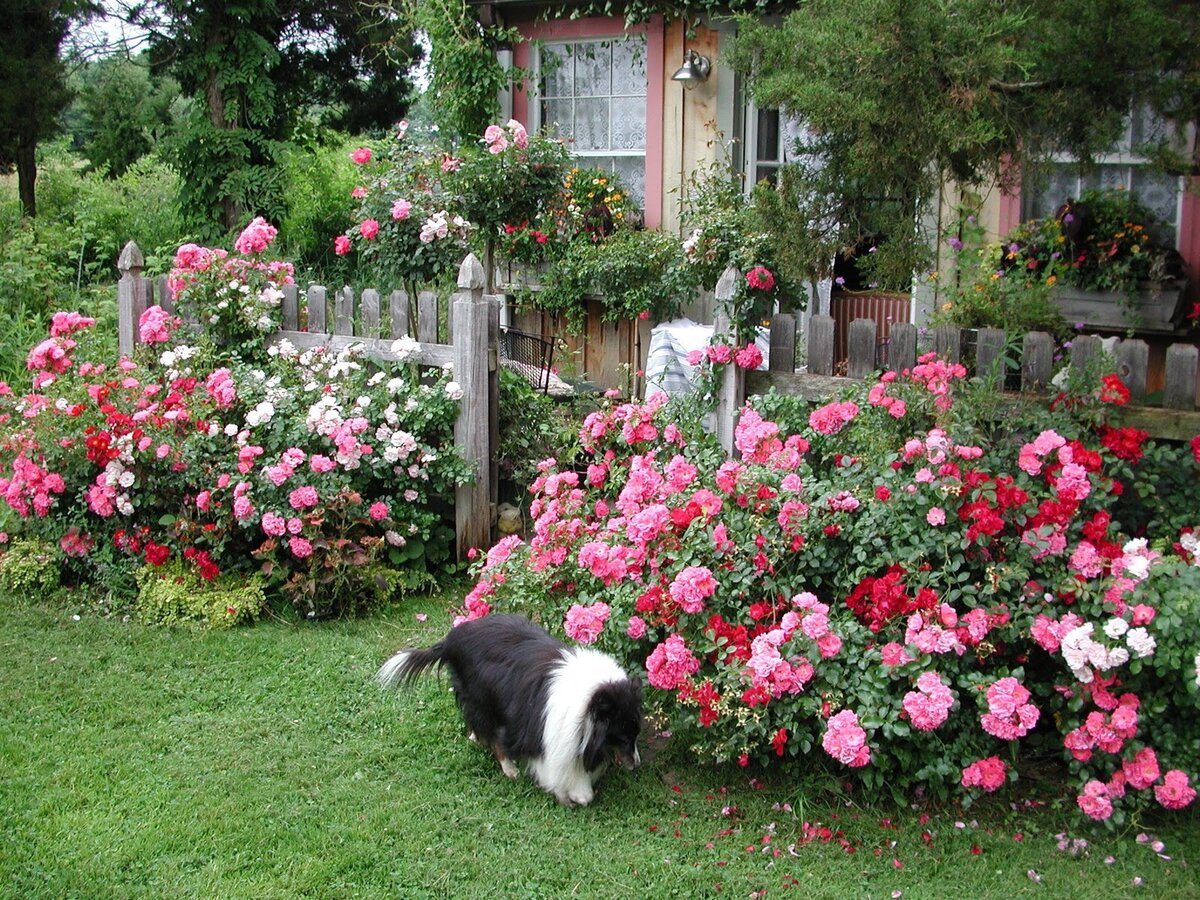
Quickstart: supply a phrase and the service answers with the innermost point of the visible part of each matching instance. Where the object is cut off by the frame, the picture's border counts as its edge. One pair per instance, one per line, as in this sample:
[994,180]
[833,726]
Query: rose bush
[325,472]
[924,599]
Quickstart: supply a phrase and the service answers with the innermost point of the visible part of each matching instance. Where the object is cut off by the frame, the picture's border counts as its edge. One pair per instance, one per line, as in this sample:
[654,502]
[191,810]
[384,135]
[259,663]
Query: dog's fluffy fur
[565,711]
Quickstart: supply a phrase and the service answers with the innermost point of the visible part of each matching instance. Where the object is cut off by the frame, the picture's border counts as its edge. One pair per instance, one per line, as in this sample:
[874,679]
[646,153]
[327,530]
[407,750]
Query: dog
[566,712]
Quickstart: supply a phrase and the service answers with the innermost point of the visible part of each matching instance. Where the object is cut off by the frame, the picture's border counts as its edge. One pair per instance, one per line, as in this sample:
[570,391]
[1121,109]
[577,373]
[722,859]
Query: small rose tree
[924,599]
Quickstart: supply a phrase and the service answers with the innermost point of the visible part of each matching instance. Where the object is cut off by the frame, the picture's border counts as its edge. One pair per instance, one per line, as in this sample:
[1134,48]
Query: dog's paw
[580,796]
[509,768]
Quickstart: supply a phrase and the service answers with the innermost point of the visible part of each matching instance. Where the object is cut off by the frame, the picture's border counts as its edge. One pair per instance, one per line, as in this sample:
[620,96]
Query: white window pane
[1148,127]
[628,123]
[629,67]
[632,170]
[593,70]
[558,79]
[1160,194]
[591,125]
[556,117]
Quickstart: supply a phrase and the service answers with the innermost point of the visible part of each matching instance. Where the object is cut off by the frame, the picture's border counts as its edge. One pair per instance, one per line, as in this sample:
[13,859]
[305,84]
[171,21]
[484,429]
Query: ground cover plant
[263,761]
[928,600]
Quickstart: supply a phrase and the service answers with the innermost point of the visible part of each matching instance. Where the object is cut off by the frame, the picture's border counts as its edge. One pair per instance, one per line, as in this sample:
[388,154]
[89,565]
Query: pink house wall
[600,27]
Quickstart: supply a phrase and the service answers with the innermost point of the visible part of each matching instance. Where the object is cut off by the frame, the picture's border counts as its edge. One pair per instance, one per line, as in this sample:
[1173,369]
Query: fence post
[1036,362]
[472,501]
[131,297]
[731,393]
[820,345]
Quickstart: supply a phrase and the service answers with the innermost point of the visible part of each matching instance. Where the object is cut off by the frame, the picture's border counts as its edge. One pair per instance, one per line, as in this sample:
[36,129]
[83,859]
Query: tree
[119,111]
[33,88]
[254,67]
[900,96]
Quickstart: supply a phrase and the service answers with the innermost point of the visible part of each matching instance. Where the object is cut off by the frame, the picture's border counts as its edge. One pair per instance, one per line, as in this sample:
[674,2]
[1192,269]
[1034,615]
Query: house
[625,97]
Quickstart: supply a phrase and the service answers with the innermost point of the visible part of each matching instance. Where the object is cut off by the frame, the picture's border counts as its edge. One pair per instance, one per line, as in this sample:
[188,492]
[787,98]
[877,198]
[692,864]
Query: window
[594,92]
[764,152]
[1048,187]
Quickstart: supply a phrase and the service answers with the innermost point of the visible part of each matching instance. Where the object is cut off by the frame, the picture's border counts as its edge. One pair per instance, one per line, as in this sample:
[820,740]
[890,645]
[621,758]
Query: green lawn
[263,762]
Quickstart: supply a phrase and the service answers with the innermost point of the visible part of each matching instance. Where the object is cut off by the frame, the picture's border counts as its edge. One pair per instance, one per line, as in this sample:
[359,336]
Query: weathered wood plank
[316,308]
[398,313]
[369,312]
[132,291]
[289,308]
[1179,390]
[989,354]
[820,345]
[1037,361]
[427,317]
[782,357]
[343,311]
[1133,366]
[1084,349]
[472,501]
[947,342]
[902,346]
[861,346]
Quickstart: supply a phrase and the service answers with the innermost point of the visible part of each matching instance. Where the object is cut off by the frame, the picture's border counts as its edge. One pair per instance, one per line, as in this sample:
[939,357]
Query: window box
[1155,307]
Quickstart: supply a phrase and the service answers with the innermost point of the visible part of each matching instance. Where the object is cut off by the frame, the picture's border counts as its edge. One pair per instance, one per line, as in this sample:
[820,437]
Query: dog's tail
[407,665]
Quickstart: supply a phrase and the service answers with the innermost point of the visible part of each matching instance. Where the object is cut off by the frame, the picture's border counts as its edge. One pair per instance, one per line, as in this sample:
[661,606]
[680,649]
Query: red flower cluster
[877,601]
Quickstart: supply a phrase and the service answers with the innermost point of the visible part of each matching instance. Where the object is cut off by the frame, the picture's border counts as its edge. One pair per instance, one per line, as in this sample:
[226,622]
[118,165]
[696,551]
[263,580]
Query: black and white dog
[565,711]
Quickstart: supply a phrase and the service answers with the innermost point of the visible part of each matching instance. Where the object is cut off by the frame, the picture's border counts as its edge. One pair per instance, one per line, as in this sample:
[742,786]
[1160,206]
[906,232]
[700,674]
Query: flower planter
[1157,308]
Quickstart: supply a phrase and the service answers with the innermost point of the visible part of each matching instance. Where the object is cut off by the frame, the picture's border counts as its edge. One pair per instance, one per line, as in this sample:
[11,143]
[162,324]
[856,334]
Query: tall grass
[263,762]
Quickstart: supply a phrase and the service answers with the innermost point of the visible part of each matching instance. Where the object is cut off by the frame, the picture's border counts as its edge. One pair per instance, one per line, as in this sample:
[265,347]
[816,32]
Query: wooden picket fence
[1175,419]
[471,348]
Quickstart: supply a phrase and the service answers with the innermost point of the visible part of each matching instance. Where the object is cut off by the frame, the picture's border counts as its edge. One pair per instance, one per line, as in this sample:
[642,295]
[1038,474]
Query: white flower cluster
[440,224]
[404,348]
[121,479]
[1191,546]
[171,358]
[1083,653]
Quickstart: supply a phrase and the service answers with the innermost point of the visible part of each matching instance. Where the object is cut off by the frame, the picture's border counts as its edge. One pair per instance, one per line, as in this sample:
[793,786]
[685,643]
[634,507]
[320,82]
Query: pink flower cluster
[832,417]
[255,237]
[497,138]
[583,624]
[671,663]
[30,488]
[989,774]
[929,705]
[845,740]
[691,587]
[156,324]
[1010,715]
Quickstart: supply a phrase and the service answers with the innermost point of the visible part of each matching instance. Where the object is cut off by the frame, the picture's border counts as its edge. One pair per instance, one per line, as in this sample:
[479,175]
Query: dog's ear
[600,712]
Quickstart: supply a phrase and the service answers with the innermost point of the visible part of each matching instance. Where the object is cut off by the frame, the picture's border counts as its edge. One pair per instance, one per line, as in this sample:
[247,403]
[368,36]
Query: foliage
[533,427]
[639,274]
[932,600]
[236,297]
[275,60]
[506,177]
[406,225]
[1103,241]
[33,89]
[172,594]
[898,97]
[120,111]
[729,229]
[233,464]
[987,289]
[465,77]
[29,568]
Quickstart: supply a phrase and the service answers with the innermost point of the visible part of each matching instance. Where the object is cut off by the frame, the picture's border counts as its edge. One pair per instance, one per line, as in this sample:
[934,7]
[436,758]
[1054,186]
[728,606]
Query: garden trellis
[473,320]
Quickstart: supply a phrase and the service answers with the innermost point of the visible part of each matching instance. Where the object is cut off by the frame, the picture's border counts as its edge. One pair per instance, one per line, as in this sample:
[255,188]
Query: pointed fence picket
[471,348]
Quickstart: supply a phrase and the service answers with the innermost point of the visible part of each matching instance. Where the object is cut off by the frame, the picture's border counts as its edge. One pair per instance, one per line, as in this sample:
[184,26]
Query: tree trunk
[27,174]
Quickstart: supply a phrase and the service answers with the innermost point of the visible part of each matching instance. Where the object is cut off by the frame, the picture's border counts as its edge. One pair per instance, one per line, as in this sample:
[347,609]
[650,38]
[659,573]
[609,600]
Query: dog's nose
[632,762]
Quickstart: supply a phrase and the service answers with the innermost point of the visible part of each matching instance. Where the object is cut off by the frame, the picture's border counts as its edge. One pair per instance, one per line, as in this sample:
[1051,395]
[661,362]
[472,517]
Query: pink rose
[362,155]
[341,245]
[369,228]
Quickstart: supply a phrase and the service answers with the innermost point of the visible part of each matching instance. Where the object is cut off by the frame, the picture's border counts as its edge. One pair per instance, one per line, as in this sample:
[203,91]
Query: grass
[263,762]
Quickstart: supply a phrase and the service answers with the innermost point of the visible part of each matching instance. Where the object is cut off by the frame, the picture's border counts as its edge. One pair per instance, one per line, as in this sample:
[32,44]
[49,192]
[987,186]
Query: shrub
[303,465]
[912,594]
[171,594]
[29,568]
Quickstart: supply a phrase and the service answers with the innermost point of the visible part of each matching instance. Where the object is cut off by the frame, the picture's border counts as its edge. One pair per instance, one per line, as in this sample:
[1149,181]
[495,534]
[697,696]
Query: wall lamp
[694,70]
